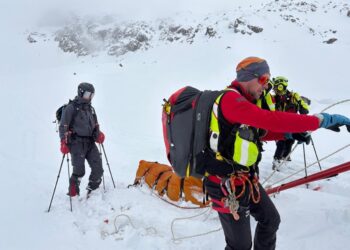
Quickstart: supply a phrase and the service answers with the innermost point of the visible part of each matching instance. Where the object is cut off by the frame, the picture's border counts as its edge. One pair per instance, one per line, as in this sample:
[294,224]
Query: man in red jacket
[239,126]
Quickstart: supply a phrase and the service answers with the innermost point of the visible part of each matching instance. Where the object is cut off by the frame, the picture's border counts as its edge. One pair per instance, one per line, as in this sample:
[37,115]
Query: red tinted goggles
[263,80]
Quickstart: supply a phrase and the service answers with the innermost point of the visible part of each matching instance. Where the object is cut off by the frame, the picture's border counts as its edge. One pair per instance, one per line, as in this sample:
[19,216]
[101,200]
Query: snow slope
[36,78]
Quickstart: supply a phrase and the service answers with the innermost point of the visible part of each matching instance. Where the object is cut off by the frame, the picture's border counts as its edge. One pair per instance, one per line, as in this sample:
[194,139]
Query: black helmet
[84,87]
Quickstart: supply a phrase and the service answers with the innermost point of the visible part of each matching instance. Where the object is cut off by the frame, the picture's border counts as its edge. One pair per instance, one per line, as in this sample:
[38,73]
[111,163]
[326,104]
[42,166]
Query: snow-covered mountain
[135,61]
[89,36]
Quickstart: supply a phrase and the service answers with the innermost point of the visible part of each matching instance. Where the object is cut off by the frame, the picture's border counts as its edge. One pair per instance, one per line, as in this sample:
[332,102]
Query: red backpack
[186,118]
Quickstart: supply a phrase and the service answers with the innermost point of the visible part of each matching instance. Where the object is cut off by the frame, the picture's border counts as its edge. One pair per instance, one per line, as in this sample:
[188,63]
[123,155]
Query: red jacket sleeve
[237,109]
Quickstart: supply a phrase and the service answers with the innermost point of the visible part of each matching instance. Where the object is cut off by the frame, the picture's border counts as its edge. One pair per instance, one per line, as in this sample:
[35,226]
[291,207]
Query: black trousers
[283,148]
[85,148]
[238,233]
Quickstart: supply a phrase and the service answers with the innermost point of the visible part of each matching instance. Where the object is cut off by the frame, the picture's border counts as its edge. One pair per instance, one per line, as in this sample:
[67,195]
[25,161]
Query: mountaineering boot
[276,164]
[73,189]
[288,159]
[93,185]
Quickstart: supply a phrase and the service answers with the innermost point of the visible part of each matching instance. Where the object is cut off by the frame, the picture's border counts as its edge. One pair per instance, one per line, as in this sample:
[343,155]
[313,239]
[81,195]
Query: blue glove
[299,137]
[333,122]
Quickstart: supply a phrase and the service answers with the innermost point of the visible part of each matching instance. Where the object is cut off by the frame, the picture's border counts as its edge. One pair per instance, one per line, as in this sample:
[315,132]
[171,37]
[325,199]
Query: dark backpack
[59,111]
[186,118]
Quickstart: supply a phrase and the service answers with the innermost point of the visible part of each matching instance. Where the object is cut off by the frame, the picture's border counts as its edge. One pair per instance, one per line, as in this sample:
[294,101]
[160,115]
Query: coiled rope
[149,230]
[178,240]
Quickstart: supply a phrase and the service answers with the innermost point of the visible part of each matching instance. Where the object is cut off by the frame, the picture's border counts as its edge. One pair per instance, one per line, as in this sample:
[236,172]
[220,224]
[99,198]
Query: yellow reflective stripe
[214,126]
[253,154]
[188,170]
[296,98]
[270,102]
[245,152]
[258,103]
[214,123]
[237,149]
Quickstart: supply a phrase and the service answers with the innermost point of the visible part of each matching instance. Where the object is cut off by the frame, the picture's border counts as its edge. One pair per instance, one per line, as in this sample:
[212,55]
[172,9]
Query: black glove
[336,128]
[300,137]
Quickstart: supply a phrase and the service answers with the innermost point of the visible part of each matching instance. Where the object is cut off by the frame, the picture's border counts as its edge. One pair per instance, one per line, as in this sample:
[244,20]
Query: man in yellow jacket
[286,101]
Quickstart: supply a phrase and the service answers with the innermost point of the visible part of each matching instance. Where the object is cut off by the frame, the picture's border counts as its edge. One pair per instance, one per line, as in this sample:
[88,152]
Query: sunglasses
[88,95]
[280,81]
[263,80]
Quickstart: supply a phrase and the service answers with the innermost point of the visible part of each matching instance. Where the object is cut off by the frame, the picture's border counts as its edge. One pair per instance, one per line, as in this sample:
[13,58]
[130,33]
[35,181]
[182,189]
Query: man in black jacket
[78,131]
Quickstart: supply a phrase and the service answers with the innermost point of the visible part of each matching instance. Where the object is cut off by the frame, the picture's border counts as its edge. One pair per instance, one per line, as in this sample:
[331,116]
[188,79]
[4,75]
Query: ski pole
[58,176]
[307,185]
[70,197]
[103,176]
[109,168]
[318,161]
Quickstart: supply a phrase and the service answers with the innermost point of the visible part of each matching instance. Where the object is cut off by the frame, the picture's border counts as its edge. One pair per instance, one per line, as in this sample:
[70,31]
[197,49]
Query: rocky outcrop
[239,25]
[88,37]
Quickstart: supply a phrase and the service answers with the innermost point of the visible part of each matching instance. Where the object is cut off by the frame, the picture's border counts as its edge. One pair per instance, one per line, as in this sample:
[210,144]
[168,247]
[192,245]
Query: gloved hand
[100,138]
[299,137]
[333,122]
[64,147]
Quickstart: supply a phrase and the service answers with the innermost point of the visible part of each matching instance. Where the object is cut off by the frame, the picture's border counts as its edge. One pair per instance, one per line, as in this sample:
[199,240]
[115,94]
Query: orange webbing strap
[193,190]
[254,188]
[243,179]
[164,180]
[154,173]
[239,179]
[144,167]
[174,187]
[162,183]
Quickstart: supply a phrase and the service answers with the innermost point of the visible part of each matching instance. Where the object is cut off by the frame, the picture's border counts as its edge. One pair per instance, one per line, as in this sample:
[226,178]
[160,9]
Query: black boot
[93,184]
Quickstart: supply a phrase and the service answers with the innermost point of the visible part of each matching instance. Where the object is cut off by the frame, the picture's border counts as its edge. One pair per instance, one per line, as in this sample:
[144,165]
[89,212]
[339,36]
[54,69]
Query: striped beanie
[251,67]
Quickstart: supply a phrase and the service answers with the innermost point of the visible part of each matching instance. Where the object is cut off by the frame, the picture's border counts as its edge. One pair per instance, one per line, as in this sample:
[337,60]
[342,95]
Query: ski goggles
[263,79]
[88,95]
[280,81]
[280,87]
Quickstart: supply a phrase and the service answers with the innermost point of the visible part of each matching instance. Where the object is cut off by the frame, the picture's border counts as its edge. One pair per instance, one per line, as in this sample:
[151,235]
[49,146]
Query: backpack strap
[75,112]
[94,114]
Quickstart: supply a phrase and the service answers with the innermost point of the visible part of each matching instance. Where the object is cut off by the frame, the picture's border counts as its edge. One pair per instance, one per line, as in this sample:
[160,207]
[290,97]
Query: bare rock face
[31,39]
[35,37]
[71,39]
[173,32]
[210,32]
[348,14]
[243,27]
[255,29]
[330,41]
[85,39]
[236,26]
